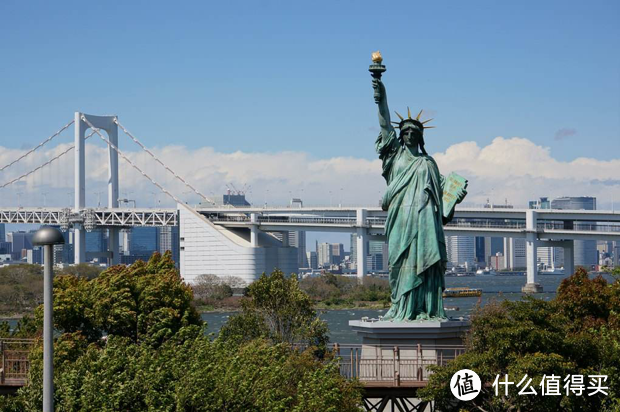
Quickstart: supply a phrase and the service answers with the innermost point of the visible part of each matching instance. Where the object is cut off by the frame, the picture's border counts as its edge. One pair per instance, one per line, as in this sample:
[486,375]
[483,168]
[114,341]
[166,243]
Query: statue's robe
[414,229]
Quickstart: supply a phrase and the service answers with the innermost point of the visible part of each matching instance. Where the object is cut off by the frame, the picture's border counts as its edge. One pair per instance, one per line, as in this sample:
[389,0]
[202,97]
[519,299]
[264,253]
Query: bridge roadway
[557,228]
[552,224]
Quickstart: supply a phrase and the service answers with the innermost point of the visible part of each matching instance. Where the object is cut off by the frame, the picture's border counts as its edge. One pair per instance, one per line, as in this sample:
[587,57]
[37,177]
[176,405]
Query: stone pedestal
[401,351]
[532,288]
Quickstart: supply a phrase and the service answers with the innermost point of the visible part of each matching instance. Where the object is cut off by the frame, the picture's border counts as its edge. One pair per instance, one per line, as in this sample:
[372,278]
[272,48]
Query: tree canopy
[276,308]
[131,340]
[577,333]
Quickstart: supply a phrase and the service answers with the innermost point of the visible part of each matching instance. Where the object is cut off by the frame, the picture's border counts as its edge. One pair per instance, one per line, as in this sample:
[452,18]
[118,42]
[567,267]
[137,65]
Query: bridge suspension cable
[49,139]
[161,163]
[43,165]
[113,146]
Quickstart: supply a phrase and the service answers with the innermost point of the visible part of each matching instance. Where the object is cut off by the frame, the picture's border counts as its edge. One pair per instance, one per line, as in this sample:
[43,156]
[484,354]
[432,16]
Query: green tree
[21,289]
[574,334]
[144,302]
[276,308]
[159,359]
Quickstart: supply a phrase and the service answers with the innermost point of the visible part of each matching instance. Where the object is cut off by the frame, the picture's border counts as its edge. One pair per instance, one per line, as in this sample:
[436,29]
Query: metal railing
[392,365]
[379,221]
[15,363]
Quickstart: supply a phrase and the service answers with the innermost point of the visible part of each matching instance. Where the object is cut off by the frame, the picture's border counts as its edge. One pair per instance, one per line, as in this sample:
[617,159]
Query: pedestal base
[402,351]
[532,288]
[448,332]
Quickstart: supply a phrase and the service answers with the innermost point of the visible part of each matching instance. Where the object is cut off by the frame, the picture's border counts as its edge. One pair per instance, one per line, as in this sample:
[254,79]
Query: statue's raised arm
[384,111]
[377,69]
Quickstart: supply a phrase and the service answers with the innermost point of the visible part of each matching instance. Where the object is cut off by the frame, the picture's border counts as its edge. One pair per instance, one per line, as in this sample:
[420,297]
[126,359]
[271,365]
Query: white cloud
[515,169]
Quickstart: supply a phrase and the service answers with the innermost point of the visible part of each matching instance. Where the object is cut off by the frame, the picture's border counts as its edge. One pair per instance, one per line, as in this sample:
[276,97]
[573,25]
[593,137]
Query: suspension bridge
[241,241]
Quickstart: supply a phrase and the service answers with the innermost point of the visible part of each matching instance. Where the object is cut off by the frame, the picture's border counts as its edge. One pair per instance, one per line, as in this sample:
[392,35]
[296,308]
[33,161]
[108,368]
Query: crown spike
[395,122]
[426,121]
[429,127]
[419,114]
[408,112]
[398,114]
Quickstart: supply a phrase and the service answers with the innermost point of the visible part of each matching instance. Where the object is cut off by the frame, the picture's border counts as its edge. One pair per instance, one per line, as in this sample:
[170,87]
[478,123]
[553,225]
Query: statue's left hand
[461,195]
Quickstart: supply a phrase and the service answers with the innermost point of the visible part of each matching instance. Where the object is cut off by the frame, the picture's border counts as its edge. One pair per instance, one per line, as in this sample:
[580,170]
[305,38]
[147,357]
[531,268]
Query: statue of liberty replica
[419,201]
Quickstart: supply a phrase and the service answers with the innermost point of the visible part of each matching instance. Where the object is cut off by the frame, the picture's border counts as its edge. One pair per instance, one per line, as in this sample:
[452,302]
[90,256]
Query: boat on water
[486,272]
[552,271]
[461,292]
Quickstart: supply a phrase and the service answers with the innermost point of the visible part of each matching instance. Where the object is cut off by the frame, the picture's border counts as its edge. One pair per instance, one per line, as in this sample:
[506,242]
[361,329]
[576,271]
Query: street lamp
[48,237]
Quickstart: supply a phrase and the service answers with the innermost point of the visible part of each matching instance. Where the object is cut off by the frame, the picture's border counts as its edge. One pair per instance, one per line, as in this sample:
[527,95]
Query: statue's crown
[409,120]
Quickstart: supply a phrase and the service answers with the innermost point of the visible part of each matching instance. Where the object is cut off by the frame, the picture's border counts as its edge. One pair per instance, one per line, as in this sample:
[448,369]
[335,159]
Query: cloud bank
[508,169]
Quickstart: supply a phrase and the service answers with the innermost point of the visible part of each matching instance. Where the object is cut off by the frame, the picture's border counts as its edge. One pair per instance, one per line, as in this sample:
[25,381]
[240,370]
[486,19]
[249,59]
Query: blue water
[493,287]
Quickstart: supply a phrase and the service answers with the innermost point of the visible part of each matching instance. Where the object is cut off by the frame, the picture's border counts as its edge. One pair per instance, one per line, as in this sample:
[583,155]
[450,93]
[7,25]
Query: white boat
[486,272]
[552,271]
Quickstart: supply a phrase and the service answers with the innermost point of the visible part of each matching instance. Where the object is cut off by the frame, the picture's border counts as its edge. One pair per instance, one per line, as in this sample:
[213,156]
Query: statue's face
[411,137]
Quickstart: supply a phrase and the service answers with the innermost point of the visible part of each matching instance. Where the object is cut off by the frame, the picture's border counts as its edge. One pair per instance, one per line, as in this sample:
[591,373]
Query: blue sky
[271,77]
[274,75]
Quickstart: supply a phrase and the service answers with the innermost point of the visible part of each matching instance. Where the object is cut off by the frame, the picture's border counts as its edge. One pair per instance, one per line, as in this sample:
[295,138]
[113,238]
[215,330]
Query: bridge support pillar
[108,124]
[569,257]
[531,243]
[362,243]
[79,244]
[113,246]
[254,230]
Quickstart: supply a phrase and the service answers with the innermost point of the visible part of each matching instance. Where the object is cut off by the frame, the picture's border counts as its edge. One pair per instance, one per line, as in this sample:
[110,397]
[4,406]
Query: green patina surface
[414,200]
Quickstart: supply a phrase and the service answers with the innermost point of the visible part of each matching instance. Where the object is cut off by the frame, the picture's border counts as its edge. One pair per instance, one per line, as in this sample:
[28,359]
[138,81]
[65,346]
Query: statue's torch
[376,68]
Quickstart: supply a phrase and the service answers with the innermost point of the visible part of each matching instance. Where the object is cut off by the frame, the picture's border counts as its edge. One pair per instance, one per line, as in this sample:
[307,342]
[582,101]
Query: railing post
[420,360]
[357,365]
[396,366]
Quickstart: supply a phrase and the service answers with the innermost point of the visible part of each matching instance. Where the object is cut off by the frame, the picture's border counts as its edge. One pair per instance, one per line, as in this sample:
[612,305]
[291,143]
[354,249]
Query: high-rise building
[169,241]
[550,257]
[6,248]
[324,254]
[21,243]
[64,253]
[313,262]
[493,246]
[353,250]
[337,253]
[235,199]
[515,253]
[34,256]
[480,250]
[298,239]
[2,232]
[584,250]
[144,242]
[461,250]
[378,249]
[542,203]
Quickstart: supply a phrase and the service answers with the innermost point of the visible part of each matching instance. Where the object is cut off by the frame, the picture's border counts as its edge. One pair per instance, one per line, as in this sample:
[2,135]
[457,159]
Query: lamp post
[48,237]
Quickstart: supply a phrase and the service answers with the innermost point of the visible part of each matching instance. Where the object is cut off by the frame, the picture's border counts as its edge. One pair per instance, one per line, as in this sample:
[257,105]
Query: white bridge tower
[108,124]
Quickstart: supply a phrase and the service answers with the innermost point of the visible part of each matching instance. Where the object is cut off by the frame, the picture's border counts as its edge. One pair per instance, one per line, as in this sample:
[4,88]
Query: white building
[206,248]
